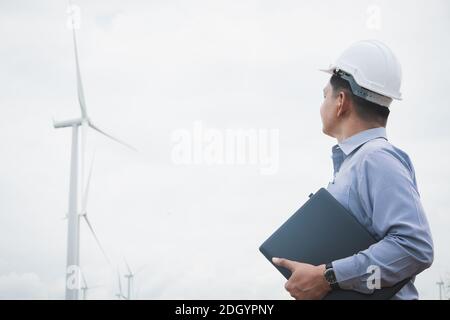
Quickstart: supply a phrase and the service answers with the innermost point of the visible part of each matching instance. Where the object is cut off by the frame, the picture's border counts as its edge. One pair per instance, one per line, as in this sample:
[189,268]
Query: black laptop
[322,231]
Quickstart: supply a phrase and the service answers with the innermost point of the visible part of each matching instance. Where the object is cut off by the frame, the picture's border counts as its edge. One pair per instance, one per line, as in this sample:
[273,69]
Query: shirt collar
[350,144]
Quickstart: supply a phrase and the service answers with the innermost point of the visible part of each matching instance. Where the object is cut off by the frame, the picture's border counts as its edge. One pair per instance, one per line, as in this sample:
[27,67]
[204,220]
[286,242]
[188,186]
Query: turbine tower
[73,217]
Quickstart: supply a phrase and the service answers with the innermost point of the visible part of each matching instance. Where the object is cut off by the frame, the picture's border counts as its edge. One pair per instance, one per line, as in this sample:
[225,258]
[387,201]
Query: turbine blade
[84,128]
[79,83]
[128,267]
[111,137]
[96,238]
[120,283]
[77,65]
[88,183]
[83,279]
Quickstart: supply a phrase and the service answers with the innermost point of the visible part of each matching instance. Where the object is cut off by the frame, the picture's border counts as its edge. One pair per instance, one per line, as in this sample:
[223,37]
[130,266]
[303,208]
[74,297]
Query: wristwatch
[330,277]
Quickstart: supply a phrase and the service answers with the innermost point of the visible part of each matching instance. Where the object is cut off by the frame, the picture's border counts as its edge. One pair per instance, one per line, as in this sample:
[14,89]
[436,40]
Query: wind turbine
[441,286]
[73,217]
[85,288]
[129,276]
[119,295]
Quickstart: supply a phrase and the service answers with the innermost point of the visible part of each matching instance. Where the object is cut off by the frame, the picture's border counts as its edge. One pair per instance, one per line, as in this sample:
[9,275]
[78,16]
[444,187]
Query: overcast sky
[152,69]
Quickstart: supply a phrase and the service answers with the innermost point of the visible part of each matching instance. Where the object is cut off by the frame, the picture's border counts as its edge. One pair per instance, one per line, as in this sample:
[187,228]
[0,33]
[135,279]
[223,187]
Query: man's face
[328,111]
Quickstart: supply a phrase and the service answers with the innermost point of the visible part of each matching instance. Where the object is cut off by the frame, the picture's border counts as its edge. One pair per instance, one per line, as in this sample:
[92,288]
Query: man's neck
[354,128]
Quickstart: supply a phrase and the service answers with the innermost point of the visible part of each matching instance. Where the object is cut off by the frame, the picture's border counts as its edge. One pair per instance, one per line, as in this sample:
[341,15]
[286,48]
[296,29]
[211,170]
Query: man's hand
[307,282]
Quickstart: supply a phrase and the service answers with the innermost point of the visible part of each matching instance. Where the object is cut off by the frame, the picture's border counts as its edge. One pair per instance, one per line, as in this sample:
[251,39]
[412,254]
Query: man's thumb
[288,264]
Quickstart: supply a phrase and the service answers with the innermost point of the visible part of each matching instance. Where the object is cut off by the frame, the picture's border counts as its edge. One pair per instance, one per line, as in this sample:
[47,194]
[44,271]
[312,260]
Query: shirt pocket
[340,190]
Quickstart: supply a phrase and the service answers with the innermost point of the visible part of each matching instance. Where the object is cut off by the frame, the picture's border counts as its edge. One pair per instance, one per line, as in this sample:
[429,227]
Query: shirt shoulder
[379,157]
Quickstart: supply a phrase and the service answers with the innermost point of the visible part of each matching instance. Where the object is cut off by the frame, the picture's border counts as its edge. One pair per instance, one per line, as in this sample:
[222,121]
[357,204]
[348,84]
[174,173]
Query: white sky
[153,67]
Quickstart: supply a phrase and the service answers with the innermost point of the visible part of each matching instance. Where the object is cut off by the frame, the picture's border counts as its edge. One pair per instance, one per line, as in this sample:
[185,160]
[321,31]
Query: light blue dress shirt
[376,182]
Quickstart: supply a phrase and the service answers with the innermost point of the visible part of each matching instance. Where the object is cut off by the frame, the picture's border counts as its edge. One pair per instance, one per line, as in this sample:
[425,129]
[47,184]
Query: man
[373,179]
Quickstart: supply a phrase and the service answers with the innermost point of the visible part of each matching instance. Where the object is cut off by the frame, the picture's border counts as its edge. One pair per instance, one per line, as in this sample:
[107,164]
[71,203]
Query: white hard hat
[372,69]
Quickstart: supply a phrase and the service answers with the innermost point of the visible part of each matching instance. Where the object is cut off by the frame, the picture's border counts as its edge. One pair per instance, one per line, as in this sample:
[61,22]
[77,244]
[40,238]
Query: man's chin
[327,132]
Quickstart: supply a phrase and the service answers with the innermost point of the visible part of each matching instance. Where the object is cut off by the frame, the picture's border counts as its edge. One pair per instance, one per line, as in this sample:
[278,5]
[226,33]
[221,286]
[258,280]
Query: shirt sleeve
[388,193]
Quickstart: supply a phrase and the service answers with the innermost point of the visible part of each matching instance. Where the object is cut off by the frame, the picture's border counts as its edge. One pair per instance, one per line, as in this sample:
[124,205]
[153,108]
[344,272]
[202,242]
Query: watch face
[330,276]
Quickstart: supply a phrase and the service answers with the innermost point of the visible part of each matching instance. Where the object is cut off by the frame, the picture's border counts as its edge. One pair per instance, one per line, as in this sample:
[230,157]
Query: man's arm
[386,188]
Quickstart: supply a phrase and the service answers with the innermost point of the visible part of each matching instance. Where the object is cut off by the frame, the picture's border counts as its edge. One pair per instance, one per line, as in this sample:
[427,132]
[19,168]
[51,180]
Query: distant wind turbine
[85,288]
[441,286]
[73,217]
[120,294]
[129,276]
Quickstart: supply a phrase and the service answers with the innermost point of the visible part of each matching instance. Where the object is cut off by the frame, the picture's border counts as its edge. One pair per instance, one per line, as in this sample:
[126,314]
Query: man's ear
[343,101]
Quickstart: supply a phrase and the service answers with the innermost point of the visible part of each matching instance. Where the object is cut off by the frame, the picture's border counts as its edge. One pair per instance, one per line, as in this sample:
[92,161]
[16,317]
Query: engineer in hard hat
[373,179]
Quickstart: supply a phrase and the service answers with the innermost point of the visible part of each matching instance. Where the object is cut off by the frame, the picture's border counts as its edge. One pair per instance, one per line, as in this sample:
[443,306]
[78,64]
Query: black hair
[365,109]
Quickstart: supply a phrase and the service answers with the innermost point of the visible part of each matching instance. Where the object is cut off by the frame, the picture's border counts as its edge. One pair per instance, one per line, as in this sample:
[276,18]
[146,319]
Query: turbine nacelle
[68,123]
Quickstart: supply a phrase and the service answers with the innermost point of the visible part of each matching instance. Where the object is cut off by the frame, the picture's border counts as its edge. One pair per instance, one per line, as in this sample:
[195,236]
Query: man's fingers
[296,294]
[285,263]
[287,286]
